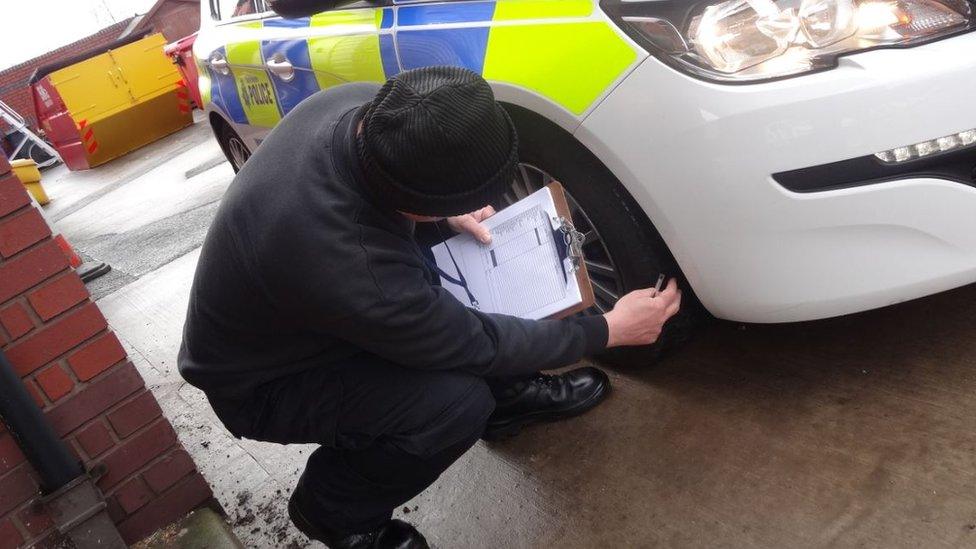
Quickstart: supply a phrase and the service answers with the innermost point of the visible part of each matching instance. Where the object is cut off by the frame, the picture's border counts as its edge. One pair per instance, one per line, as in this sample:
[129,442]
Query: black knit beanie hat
[435,142]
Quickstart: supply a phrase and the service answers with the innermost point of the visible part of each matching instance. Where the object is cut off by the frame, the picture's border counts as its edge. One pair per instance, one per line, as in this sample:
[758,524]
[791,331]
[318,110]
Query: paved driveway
[857,431]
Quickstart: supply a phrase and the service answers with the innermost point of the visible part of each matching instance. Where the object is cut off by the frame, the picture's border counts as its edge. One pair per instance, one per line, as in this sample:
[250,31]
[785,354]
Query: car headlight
[749,40]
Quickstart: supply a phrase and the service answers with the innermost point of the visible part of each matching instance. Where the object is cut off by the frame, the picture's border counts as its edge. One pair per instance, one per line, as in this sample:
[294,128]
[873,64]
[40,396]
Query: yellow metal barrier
[124,98]
[28,174]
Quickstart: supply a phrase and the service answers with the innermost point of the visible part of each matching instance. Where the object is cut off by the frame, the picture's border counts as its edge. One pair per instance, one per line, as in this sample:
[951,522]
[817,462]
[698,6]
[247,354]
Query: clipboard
[536,240]
[572,240]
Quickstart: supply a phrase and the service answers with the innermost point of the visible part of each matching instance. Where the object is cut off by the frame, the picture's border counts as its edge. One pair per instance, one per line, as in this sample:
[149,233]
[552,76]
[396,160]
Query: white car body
[699,158]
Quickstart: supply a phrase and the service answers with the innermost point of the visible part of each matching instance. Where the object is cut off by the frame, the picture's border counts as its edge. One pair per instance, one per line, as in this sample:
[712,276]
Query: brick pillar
[78,373]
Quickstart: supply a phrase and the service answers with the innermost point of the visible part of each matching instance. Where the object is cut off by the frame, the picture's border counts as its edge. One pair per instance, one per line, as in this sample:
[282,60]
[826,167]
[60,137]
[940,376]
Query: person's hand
[471,223]
[637,318]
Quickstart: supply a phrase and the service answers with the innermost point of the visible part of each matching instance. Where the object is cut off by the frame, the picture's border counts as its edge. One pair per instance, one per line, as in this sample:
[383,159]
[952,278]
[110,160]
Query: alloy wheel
[238,152]
[607,285]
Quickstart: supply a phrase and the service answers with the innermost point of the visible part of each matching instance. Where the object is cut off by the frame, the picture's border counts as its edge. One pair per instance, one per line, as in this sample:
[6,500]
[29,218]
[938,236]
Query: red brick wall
[73,365]
[176,19]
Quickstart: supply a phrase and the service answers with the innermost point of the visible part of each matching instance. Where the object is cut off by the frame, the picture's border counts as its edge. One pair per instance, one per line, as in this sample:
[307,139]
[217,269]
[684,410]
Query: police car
[790,159]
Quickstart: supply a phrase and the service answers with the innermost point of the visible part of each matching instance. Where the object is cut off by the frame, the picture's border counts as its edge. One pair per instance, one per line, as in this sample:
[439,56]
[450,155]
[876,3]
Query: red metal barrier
[181,52]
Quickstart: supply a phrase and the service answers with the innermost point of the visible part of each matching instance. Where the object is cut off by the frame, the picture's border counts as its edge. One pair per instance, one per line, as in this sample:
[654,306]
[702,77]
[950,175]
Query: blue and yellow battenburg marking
[358,47]
[551,47]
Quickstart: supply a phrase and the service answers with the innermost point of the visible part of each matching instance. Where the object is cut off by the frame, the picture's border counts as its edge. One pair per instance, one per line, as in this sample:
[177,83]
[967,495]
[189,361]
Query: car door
[353,44]
[443,33]
[241,87]
[254,87]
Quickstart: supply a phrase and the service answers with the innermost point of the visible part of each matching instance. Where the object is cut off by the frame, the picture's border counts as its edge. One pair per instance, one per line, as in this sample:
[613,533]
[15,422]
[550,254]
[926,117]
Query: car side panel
[291,92]
[352,46]
[326,50]
[564,51]
[223,93]
[557,57]
[254,87]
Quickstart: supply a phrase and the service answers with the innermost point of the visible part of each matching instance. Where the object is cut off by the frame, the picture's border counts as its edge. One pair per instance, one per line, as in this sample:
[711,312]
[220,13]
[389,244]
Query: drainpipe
[74,502]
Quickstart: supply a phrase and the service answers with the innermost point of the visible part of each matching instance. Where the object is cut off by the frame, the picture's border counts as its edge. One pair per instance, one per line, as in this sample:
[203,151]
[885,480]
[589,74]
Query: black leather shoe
[395,534]
[544,398]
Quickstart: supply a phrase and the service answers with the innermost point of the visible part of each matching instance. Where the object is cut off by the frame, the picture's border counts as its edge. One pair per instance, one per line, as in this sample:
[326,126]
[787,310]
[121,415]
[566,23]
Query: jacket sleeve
[424,326]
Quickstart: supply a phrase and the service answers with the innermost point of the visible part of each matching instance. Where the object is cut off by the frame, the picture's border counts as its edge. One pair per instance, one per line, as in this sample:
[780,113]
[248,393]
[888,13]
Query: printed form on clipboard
[533,267]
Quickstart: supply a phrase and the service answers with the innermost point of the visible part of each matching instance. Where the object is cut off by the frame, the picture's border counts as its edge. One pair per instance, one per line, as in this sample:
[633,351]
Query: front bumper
[699,158]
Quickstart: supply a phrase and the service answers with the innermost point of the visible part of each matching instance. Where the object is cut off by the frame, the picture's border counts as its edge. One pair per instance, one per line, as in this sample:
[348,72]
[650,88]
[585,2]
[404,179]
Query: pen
[658,286]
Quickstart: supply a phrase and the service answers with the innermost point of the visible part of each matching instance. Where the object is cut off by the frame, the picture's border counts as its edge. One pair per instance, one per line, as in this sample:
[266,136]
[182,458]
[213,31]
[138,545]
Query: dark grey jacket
[300,269]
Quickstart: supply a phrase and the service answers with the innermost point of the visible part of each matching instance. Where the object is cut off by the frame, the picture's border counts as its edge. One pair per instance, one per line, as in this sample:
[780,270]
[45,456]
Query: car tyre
[626,241]
[233,146]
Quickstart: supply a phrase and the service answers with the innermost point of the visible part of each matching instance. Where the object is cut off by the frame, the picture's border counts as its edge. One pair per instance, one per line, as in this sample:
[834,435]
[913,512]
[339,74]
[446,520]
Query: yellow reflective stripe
[352,57]
[245,53]
[507,10]
[572,64]
[253,85]
[340,59]
[370,17]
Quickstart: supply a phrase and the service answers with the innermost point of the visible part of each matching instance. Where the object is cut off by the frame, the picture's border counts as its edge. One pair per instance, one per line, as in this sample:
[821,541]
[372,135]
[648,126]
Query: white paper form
[520,273]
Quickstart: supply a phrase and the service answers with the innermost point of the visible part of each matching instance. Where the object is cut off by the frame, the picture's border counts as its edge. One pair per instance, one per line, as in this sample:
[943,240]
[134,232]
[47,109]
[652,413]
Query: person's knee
[468,409]
[476,406]
[465,422]
[465,405]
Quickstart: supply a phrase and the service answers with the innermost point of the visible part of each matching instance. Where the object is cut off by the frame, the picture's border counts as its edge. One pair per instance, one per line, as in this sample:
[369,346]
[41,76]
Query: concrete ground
[201,529]
[853,432]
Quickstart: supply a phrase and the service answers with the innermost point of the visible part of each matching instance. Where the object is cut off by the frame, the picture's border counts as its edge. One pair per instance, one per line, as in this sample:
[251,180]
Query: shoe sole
[513,427]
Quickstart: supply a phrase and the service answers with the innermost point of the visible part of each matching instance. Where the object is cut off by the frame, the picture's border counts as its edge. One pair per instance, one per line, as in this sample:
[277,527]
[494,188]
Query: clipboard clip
[573,240]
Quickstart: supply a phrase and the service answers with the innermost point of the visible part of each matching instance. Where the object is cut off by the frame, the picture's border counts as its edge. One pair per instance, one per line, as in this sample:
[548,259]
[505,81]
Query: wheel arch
[531,125]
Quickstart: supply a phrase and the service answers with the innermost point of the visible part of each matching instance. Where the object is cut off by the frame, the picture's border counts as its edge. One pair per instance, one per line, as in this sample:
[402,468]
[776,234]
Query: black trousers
[385,433]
